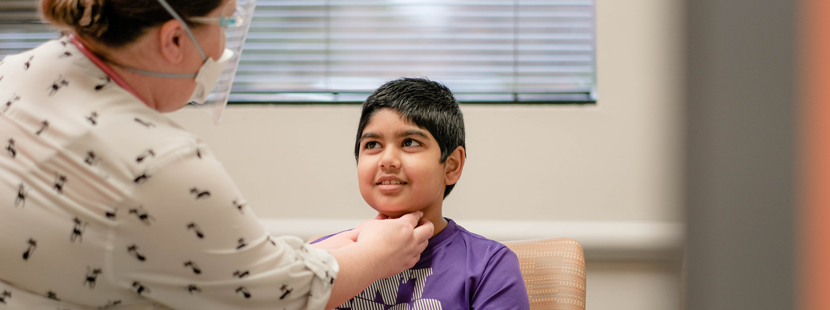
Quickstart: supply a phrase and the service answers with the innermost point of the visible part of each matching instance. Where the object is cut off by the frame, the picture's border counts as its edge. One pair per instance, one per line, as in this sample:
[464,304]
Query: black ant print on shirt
[111,214]
[78,230]
[93,118]
[193,226]
[110,304]
[239,204]
[4,296]
[190,264]
[12,150]
[28,63]
[331,279]
[142,178]
[133,250]
[142,215]
[106,82]
[241,243]
[57,85]
[144,155]
[91,276]
[32,243]
[241,274]
[140,289]
[199,194]
[22,194]
[193,288]
[285,291]
[60,182]
[91,159]
[145,124]
[43,127]
[52,295]
[199,153]
[65,54]
[8,104]
[271,240]
[244,292]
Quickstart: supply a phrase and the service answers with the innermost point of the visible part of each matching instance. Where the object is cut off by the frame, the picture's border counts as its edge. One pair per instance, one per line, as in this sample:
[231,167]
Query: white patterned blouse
[107,204]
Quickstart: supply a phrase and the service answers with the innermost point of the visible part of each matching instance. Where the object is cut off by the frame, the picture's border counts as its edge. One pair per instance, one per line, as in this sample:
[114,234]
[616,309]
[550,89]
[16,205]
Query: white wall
[614,162]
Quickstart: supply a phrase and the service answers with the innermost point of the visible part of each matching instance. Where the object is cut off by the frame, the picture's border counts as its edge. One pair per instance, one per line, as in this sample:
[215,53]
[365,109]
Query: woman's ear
[454,165]
[171,41]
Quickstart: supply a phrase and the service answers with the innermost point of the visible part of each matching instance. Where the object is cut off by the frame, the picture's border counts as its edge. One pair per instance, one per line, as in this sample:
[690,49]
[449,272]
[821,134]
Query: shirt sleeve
[188,240]
[501,285]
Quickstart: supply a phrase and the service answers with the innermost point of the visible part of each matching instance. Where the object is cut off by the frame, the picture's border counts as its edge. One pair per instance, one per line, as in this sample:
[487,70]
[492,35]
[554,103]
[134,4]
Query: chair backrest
[553,271]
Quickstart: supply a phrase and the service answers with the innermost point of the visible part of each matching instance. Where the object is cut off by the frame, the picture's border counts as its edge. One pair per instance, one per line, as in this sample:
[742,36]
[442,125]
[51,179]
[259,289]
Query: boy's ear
[454,165]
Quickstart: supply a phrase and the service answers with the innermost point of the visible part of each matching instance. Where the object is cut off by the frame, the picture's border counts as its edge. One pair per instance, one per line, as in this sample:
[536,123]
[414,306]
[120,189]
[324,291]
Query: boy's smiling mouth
[390,184]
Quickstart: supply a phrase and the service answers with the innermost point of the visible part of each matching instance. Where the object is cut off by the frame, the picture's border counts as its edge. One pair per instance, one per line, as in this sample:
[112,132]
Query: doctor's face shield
[215,77]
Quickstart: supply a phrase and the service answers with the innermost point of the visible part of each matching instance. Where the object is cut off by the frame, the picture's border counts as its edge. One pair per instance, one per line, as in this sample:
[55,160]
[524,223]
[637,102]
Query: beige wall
[617,161]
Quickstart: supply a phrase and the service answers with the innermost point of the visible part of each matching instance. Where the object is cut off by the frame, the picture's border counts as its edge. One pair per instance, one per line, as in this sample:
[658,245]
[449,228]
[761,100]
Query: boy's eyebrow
[401,134]
[369,135]
[412,132]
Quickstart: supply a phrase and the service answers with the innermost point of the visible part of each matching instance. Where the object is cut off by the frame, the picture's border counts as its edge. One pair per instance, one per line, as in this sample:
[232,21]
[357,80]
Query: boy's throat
[432,214]
[438,221]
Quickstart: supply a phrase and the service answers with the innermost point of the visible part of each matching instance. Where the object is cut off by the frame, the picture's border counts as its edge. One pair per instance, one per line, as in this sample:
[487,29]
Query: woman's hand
[394,244]
[383,248]
[344,238]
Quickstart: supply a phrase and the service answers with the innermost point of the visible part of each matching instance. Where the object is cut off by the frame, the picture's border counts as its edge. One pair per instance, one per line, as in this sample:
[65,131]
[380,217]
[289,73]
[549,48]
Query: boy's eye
[371,145]
[410,142]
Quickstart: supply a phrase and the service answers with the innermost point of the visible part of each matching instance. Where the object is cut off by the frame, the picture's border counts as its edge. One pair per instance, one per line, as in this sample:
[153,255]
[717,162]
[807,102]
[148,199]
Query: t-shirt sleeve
[188,240]
[501,285]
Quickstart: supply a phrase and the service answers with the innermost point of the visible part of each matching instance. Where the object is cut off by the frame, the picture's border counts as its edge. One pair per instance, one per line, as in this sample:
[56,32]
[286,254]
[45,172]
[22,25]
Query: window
[20,28]
[303,51]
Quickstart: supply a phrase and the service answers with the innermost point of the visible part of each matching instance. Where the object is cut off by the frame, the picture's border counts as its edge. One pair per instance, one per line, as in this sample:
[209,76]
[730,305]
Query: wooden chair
[553,271]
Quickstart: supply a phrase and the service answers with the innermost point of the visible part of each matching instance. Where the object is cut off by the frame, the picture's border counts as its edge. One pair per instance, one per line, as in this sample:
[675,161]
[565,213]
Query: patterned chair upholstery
[553,272]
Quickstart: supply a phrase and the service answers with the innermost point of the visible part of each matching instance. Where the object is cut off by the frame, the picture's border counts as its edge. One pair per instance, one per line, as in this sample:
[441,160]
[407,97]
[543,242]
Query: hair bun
[81,16]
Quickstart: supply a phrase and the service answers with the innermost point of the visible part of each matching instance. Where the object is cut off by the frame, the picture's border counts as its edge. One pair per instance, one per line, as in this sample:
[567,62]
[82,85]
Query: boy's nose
[390,160]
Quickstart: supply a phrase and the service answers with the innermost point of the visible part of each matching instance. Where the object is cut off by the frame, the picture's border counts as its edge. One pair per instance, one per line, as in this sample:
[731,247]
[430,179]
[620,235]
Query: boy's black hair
[427,104]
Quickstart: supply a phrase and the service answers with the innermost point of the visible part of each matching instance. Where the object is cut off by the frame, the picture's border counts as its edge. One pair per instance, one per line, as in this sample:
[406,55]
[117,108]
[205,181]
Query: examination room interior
[680,180]
[606,174]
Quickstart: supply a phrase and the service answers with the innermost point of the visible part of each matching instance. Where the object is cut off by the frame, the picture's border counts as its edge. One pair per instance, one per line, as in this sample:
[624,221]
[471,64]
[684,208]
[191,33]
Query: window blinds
[20,27]
[341,50]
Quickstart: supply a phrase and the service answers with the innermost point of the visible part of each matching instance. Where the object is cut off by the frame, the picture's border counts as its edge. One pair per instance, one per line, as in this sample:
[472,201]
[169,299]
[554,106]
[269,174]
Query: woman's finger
[424,231]
[412,218]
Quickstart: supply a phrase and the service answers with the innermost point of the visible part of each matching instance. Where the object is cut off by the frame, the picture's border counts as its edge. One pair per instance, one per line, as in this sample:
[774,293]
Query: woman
[106,203]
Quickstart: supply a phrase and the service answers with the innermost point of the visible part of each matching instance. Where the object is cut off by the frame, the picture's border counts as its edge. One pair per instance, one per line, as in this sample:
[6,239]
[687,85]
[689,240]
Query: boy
[410,153]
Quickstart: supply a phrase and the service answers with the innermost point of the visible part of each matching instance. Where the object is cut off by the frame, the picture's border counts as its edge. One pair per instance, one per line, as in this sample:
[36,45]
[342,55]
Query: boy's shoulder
[473,241]
[477,237]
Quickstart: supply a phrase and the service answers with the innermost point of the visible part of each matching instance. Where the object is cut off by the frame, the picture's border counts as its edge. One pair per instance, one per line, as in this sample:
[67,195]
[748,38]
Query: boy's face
[399,167]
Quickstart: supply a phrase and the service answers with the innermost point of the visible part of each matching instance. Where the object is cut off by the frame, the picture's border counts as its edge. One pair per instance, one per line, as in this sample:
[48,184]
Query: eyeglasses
[235,20]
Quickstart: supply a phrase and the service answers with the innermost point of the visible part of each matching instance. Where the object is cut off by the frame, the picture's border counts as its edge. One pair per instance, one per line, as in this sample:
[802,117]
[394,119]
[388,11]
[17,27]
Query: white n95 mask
[208,75]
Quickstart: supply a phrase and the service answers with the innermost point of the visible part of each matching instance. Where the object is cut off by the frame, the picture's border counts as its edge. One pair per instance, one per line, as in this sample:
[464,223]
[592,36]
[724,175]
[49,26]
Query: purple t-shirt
[457,270]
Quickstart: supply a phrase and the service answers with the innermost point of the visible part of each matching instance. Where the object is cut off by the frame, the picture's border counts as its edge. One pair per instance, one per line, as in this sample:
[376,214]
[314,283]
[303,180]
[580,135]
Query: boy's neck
[435,216]
[432,214]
